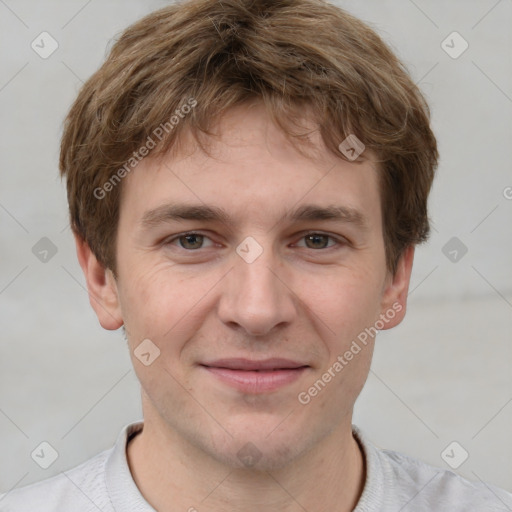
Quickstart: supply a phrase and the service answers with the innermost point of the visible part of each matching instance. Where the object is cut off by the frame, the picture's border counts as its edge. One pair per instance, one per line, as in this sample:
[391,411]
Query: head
[227,120]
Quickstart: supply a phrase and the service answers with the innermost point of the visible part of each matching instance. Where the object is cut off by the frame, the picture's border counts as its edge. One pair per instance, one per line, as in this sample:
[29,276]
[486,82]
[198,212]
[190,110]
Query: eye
[194,241]
[189,241]
[319,241]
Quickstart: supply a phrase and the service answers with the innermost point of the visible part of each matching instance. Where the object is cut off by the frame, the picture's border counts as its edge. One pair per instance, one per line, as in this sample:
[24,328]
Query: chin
[258,456]
[260,446]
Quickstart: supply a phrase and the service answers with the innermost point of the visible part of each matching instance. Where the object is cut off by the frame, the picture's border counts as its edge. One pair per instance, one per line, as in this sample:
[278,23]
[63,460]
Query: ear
[102,287]
[394,298]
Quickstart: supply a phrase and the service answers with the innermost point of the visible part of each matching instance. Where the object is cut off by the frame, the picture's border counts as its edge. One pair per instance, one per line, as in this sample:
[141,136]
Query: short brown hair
[289,54]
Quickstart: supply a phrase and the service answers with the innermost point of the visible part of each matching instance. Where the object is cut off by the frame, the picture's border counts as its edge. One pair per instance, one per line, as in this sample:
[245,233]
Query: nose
[257,297]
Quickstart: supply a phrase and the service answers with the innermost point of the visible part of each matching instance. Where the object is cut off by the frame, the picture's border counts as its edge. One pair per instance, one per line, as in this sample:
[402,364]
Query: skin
[297,300]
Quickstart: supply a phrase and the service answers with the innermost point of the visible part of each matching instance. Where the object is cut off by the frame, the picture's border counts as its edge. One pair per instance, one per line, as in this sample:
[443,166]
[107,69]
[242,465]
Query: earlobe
[101,285]
[394,299]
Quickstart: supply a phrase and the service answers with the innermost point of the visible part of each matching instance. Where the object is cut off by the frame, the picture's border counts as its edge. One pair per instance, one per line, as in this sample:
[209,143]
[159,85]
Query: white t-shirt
[394,483]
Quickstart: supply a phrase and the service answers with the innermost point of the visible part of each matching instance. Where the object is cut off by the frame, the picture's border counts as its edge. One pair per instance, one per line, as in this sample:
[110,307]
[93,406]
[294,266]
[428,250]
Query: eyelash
[338,241]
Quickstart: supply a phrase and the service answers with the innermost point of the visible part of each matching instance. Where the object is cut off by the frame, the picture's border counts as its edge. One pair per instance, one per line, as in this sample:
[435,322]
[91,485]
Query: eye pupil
[191,241]
[315,239]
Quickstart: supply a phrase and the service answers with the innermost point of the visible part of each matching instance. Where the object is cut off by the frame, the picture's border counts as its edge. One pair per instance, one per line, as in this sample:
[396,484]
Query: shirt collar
[125,495]
[122,490]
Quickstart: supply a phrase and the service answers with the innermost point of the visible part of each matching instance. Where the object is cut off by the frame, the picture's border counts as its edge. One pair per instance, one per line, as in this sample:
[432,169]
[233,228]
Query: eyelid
[338,239]
[177,236]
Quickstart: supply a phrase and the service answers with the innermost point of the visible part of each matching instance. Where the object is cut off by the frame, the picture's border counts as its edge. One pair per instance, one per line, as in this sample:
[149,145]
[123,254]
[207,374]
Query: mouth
[251,376]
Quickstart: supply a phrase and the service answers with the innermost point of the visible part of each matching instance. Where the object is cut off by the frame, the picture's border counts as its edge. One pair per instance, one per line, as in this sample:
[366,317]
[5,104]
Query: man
[247,181]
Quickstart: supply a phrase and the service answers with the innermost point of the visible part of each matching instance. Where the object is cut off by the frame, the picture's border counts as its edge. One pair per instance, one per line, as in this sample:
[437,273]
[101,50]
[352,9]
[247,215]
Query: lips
[253,365]
[252,376]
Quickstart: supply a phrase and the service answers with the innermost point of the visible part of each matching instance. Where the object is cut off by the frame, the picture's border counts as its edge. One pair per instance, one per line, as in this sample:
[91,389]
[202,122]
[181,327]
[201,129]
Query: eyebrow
[308,212]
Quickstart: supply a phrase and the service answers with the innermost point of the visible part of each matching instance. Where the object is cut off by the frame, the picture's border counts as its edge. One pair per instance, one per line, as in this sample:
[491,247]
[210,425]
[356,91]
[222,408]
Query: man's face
[254,285]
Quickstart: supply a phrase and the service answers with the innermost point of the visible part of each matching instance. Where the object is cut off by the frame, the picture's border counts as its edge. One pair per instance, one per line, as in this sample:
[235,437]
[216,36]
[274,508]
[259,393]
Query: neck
[172,474]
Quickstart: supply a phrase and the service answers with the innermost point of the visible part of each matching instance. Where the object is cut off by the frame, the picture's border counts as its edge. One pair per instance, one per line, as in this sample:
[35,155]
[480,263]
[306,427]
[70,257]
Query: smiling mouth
[241,363]
[251,376]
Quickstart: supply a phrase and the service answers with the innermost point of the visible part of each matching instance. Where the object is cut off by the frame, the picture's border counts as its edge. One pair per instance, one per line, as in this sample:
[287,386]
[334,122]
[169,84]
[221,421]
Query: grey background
[444,375]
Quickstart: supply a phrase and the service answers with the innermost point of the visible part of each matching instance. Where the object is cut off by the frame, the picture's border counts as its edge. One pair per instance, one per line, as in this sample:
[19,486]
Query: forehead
[253,172]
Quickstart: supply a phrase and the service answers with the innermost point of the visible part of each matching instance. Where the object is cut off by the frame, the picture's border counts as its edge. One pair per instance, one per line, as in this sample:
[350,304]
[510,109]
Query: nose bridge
[258,279]
[255,298]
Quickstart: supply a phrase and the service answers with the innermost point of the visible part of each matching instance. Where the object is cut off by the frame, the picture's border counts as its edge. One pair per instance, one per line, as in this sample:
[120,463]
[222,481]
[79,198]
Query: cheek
[344,304]
[347,305]
[164,305]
